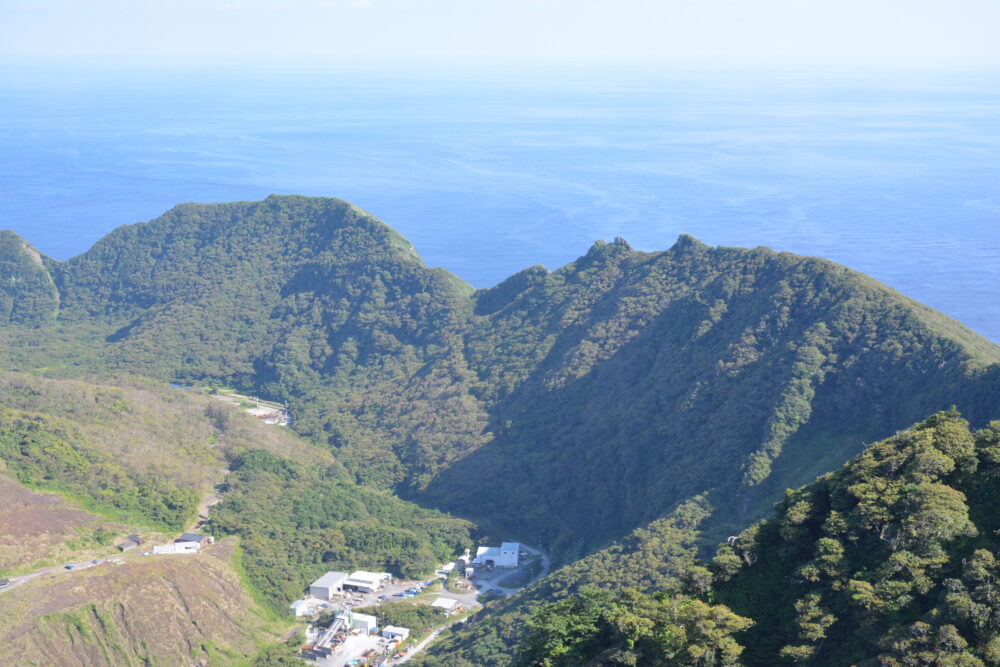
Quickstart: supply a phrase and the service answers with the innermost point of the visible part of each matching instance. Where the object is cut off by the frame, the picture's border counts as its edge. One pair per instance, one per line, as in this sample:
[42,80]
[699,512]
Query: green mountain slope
[625,382]
[309,300]
[143,452]
[891,560]
[28,295]
[894,556]
[145,455]
[566,407]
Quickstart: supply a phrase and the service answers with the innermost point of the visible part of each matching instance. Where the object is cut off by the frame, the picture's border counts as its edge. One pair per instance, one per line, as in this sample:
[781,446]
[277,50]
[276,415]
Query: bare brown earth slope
[155,610]
[36,526]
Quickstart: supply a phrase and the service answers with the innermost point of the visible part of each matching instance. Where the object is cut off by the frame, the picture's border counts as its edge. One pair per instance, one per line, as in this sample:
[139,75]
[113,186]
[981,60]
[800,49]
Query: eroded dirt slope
[150,610]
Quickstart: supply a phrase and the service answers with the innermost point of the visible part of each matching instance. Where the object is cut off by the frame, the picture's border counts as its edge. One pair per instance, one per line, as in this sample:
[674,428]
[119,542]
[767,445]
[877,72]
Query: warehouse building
[365,582]
[328,585]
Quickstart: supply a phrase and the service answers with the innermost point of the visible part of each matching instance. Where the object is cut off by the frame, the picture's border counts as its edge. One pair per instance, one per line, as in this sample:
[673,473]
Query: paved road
[422,645]
[546,563]
[25,578]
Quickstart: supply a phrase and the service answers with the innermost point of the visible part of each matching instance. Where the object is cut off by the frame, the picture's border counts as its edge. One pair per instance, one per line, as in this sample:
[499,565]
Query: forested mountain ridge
[642,376]
[892,560]
[567,407]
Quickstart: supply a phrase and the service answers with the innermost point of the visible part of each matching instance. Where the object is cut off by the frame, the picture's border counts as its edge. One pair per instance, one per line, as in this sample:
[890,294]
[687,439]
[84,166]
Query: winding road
[469,599]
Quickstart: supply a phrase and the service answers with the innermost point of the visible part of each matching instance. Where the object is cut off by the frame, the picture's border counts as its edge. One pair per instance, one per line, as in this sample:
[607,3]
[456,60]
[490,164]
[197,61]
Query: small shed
[127,545]
[363,622]
[445,603]
[395,632]
[301,608]
[509,554]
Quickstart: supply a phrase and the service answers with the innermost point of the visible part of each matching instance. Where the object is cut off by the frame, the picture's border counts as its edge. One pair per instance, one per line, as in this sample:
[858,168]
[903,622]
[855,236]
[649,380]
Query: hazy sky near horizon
[681,33]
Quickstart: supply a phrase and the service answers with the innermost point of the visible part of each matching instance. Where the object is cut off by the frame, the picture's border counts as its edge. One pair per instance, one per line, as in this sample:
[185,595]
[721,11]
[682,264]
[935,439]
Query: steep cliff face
[28,294]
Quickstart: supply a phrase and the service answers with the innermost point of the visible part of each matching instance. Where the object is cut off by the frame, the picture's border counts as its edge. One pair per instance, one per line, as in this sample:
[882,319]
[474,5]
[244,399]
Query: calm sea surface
[898,177]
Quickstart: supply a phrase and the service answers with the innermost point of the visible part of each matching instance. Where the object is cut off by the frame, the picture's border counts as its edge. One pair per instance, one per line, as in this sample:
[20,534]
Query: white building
[363,622]
[301,607]
[328,585]
[395,632]
[447,604]
[365,582]
[177,548]
[506,555]
[509,552]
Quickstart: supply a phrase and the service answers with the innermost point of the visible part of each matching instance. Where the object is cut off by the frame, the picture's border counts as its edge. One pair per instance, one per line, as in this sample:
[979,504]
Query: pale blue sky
[681,33]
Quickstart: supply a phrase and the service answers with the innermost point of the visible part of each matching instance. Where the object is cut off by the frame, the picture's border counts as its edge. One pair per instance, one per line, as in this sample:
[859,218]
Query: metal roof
[330,579]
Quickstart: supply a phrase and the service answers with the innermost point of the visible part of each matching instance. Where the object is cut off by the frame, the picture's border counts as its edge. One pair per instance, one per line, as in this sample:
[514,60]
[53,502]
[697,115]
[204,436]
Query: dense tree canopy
[650,401]
[893,555]
[296,522]
[892,560]
[645,378]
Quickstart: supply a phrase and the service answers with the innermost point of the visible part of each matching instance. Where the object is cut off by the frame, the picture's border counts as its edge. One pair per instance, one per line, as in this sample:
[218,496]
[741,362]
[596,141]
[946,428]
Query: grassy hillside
[38,529]
[566,407]
[136,451]
[141,456]
[162,610]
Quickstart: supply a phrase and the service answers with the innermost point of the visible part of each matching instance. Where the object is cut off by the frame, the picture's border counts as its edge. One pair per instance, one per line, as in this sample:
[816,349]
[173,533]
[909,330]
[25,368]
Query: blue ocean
[488,172]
